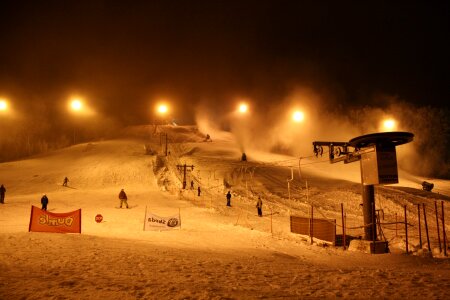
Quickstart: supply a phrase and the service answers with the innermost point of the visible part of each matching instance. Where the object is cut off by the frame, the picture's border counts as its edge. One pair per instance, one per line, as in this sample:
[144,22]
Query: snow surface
[219,252]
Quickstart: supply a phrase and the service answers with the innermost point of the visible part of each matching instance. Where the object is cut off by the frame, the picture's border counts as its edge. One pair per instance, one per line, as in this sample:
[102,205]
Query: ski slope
[219,252]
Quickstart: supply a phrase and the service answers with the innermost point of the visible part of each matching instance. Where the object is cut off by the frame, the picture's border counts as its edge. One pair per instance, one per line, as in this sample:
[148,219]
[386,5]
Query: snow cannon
[244,157]
[427,186]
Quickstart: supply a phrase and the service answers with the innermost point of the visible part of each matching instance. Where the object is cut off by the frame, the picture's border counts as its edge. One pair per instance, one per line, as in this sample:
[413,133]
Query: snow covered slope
[219,252]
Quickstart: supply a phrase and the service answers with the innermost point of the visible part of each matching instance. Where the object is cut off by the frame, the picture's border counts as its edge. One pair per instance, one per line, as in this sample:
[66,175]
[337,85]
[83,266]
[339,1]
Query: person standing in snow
[123,198]
[2,194]
[66,180]
[228,198]
[192,184]
[259,206]
[44,202]
[198,191]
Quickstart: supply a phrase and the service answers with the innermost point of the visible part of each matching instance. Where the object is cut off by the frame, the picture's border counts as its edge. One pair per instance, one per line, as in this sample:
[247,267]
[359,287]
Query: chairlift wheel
[337,151]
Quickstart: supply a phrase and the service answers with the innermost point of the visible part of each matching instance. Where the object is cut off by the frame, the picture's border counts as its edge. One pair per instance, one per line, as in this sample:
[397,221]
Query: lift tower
[378,160]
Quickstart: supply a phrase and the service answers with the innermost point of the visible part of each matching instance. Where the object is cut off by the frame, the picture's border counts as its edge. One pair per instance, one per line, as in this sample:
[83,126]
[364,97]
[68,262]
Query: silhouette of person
[44,202]
[192,184]
[2,194]
[259,206]
[228,198]
[198,191]
[66,180]
[123,198]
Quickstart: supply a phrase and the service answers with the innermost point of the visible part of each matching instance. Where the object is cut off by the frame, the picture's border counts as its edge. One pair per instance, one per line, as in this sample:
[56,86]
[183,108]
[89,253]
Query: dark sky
[122,55]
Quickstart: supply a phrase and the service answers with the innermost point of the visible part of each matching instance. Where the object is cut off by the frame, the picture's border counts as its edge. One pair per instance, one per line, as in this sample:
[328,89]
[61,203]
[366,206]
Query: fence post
[426,226]
[179,215]
[420,230]
[343,226]
[395,224]
[437,226]
[312,224]
[374,226]
[271,214]
[444,236]
[406,232]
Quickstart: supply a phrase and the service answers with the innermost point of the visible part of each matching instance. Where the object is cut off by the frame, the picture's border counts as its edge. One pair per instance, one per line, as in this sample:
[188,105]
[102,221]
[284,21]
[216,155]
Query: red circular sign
[98,218]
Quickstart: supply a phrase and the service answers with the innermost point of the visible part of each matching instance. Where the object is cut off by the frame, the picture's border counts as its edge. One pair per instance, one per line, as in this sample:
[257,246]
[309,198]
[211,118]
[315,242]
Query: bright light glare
[76,104]
[163,109]
[298,116]
[3,105]
[243,108]
[389,124]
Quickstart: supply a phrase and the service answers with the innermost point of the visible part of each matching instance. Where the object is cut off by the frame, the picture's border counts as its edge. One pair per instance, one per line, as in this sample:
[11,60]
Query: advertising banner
[154,222]
[44,221]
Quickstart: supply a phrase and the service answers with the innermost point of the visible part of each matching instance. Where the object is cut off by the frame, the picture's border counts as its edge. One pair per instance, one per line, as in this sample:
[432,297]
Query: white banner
[154,222]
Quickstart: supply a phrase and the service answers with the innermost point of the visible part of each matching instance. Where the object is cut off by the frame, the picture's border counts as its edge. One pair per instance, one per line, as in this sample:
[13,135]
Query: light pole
[162,110]
[76,106]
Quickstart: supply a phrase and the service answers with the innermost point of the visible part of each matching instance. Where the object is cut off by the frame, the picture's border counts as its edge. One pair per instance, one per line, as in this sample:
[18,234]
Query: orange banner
[44,221]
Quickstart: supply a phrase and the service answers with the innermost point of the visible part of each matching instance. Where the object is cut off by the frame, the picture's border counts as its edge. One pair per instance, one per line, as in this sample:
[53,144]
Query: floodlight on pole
[389,124]
[162,109]
[3,105]
[76,105]
[243,108]
[298,116]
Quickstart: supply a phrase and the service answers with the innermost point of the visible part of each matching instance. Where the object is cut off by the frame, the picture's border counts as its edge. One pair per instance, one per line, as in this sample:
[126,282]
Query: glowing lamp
[76,105]
[389,124]
[3,105]
[298,116]
[243,108]
[162,109]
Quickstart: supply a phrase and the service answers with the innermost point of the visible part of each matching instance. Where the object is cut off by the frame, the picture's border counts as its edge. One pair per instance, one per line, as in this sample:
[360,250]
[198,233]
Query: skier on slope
[44,202]
[228,198]
[2,194]
[123,198]
[259,206]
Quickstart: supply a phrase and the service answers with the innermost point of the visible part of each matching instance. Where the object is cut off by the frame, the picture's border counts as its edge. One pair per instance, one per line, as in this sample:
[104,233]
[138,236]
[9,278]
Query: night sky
[124,55]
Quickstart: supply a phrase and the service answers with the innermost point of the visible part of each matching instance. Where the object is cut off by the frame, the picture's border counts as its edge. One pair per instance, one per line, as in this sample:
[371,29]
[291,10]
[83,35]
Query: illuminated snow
[219,252]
